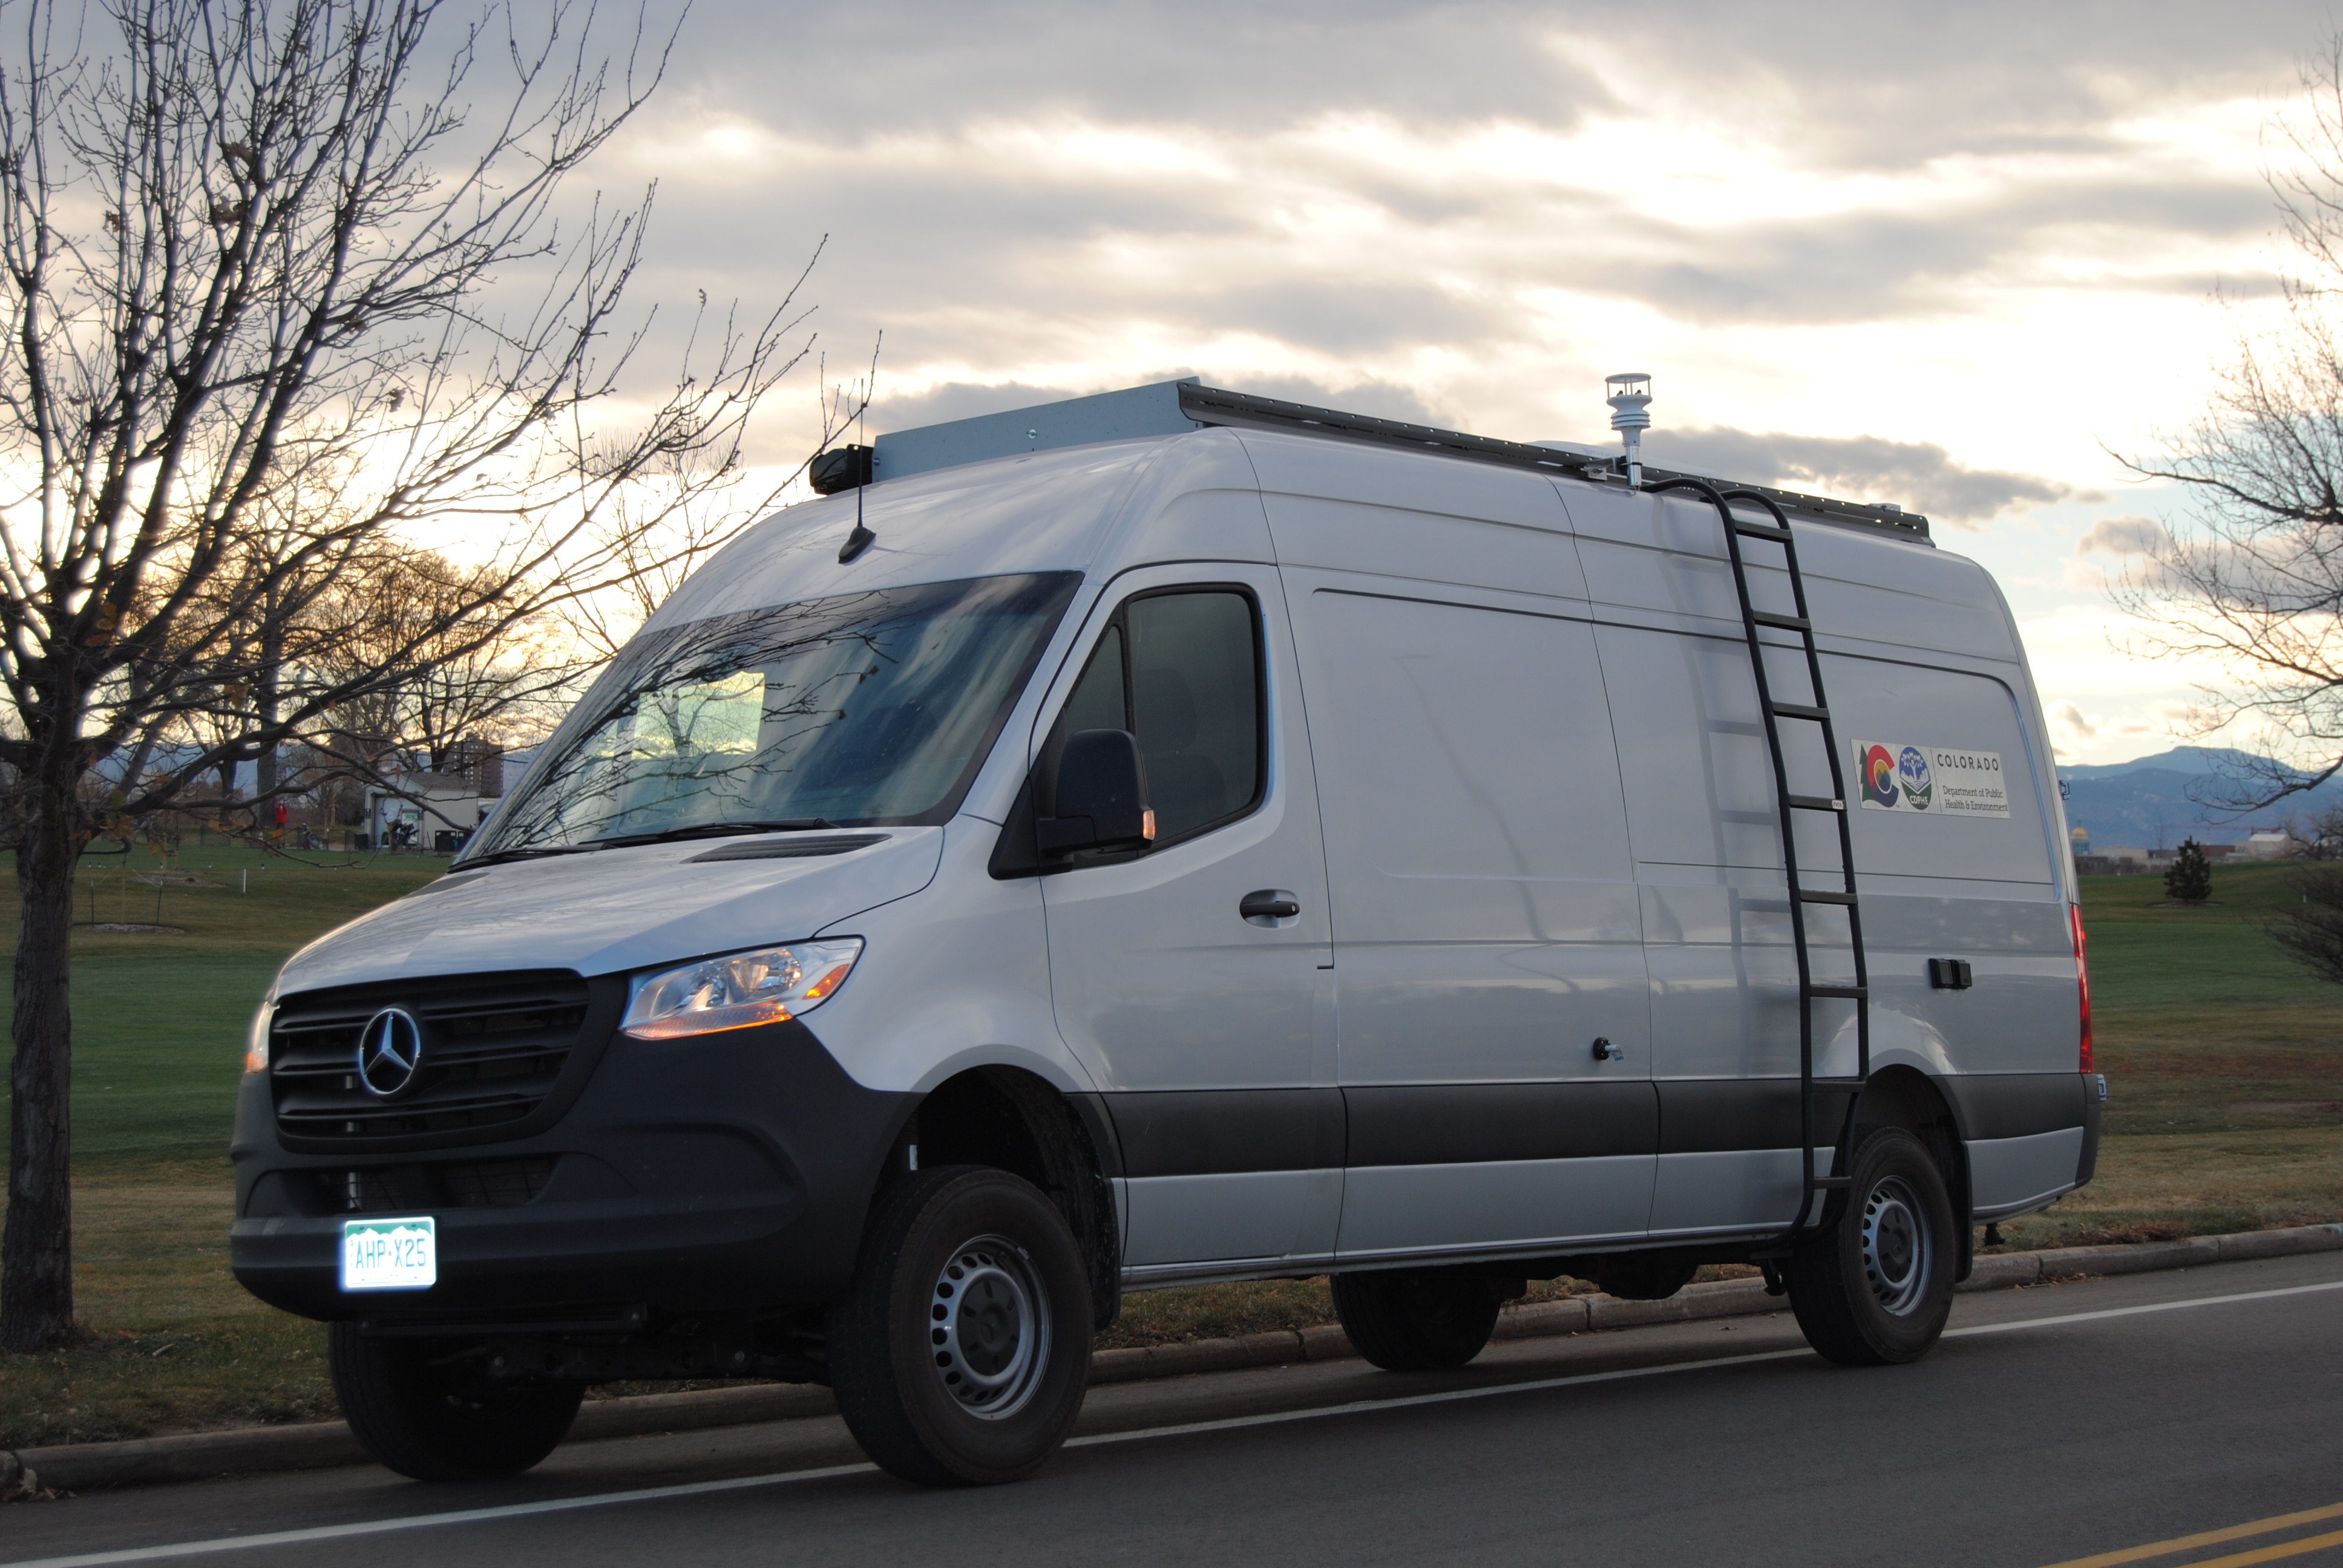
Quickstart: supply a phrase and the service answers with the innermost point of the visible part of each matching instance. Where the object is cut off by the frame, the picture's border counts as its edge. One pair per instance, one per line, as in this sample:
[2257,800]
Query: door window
[1181,671]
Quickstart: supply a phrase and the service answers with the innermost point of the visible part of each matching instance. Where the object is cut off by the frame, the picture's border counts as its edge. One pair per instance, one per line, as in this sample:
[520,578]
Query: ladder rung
[1815,803]
[1840,992]
[1783,622]
[1761,532]
[1811,896]
[1800,711]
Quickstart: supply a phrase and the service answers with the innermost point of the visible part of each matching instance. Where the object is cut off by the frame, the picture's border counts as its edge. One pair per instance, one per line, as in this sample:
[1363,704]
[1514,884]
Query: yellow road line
[2272,1554]
[2215,1538]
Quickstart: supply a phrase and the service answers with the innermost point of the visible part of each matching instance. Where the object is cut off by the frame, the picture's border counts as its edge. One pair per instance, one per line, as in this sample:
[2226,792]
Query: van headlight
[770,985]
[255,1038]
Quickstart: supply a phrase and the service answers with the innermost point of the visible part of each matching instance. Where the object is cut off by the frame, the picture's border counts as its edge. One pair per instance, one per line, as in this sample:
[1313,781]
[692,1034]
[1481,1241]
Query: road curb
[319,1445]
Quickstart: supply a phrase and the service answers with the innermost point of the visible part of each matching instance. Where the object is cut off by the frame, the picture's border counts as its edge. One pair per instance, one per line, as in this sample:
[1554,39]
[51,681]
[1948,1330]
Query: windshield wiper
[712,830]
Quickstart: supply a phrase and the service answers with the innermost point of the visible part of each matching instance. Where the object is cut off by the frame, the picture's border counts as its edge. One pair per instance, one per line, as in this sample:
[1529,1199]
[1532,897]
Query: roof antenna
[1631,403]
[857,474]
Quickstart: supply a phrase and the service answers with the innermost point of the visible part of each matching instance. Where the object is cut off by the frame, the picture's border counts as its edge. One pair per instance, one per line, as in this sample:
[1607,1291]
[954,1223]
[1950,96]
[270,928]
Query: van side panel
[1485,922]
[1920,651]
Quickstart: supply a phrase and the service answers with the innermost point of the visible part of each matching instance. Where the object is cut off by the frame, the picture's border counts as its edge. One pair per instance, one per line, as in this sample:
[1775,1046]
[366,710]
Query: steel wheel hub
[1898,1254]
[988,1327]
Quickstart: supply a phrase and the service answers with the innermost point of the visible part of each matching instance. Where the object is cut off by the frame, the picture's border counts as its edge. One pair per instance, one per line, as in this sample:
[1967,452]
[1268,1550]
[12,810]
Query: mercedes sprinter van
[1177,836]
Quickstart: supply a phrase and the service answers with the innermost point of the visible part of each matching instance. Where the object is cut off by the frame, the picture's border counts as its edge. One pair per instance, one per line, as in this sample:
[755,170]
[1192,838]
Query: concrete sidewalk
[84,1467]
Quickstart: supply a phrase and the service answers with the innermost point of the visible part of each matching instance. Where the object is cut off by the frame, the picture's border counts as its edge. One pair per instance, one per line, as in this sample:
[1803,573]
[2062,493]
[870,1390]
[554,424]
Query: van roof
[1174,407]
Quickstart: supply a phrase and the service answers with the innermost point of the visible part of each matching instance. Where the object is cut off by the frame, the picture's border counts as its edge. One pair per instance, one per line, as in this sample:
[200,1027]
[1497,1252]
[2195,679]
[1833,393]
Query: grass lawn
[2228,1114]
[171,1341]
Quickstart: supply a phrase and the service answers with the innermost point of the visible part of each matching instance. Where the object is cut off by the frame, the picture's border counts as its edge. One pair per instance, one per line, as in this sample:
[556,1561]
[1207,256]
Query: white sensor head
[1631,404]
[1630,399]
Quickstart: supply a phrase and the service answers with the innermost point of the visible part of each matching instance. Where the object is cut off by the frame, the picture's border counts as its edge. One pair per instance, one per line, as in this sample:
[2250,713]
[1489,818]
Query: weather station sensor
[1631,404]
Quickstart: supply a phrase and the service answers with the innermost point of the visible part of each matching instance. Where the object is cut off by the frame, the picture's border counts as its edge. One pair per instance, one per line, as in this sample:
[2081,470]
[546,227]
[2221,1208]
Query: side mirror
[1101,795]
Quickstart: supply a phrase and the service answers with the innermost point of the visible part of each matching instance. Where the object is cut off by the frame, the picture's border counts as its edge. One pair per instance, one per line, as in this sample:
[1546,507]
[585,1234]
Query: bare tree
[2252,581]
[510,683]
[262,250]
[2311,930]
[2319,835]
[696,518]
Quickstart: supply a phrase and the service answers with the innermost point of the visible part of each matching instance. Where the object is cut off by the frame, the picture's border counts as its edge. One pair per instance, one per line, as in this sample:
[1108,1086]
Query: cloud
[2123,537]
[1919,475]
[1466,216]
[950,400]
[965,400]
[2068,717]
[1380,399]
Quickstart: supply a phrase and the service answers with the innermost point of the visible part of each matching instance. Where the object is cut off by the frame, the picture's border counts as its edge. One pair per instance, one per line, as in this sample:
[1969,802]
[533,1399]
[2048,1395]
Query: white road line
[420,1521]
[1356,1407]
[1230,1423]
[2123,1312]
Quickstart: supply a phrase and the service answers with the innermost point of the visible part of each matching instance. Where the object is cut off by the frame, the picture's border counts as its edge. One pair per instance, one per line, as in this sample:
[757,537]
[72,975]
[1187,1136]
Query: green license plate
[391,1255]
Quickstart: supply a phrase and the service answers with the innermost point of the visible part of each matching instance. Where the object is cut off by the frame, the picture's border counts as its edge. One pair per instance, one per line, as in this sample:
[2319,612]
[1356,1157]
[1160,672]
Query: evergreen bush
[2190,880]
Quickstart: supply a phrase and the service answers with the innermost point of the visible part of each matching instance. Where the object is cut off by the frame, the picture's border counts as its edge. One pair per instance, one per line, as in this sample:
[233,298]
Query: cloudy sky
[1953,257]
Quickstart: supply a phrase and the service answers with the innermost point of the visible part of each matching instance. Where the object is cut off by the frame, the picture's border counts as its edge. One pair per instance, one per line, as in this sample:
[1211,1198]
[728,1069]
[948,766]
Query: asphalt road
[2055,1424]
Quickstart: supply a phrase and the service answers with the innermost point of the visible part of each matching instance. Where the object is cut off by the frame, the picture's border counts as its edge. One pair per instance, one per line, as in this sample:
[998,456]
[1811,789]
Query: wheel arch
[1014,1119]
[1903,1096]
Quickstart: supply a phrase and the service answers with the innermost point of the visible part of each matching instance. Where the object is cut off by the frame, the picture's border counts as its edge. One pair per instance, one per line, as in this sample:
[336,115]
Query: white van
[1176,835]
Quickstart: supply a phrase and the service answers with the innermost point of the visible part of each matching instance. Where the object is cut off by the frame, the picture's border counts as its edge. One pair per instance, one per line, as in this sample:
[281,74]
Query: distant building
[430,812]
[2272,844]
[2082,840]
[481,763]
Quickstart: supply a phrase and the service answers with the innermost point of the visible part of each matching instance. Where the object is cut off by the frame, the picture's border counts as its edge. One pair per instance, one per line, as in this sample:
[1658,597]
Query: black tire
[1876,1286]
[1404,1321]
[434,1418]
[936,1396]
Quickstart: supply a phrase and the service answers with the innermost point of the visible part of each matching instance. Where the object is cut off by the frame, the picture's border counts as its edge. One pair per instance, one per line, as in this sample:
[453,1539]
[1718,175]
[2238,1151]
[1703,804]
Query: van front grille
[400,1189]
[491,1048]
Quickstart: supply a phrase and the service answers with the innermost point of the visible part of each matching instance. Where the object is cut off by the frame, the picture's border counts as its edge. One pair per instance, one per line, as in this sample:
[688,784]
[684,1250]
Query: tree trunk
[36,1249]
[272,660]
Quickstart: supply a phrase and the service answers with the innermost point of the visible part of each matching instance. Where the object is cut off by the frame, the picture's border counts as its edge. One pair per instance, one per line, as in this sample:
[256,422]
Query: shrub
[2190,881]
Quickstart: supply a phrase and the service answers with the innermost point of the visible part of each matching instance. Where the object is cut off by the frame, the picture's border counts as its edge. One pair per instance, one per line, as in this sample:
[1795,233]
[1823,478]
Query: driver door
[1211,1030]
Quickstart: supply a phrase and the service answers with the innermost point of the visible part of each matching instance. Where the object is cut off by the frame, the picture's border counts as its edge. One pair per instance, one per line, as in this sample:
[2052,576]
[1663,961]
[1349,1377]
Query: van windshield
[866,709]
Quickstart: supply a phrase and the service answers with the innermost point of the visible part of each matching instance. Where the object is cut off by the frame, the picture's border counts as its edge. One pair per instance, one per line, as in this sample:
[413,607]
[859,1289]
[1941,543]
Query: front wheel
[424,1409]
[961,1352]
[1877,1285]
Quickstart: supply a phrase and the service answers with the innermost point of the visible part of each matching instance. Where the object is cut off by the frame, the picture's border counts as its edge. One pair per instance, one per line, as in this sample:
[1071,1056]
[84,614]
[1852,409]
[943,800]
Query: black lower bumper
[724,1175]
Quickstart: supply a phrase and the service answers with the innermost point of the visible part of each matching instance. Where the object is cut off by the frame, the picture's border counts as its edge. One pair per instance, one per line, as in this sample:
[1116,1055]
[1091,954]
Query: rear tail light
[2082,982]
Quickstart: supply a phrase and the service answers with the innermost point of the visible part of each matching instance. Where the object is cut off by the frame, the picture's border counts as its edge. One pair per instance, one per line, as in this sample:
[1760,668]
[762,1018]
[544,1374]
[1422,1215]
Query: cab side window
[1181,671]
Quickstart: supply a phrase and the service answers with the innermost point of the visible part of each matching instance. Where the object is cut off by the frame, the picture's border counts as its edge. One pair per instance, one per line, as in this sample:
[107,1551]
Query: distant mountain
[2154,802]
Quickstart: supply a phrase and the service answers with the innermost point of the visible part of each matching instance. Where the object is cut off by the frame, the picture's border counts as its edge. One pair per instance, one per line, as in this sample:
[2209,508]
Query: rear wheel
[1408,1322]
[1877,1285]
[424,1409]
[961,1353]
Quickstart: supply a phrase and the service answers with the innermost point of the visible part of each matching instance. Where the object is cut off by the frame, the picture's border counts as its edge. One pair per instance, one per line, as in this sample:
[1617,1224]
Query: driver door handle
[1269,904]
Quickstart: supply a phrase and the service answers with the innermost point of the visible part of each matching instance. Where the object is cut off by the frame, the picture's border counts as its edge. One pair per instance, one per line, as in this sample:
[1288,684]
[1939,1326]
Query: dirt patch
[171,879]
[2304,1108]
[131,928]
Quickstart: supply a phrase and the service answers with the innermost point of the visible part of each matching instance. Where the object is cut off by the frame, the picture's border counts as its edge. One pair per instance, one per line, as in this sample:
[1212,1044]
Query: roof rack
[1172,407]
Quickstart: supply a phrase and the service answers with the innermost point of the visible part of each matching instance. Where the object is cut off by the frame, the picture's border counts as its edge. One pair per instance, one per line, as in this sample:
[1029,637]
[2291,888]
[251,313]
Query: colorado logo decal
[1939,780]
[1879,778]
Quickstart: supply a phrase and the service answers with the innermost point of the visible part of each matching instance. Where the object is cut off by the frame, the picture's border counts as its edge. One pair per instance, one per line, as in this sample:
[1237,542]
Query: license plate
[389,1255]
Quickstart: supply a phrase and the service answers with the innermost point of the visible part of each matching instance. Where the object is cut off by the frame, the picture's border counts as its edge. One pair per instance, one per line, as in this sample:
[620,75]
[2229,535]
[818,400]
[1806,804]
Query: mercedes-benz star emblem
[391,1048]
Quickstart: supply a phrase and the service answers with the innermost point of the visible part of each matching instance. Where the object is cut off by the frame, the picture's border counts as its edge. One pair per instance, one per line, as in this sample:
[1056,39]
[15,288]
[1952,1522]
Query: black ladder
[1800,624]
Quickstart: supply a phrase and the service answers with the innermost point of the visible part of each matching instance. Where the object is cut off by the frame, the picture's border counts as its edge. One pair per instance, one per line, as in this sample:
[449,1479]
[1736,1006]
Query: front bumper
[726,1174]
